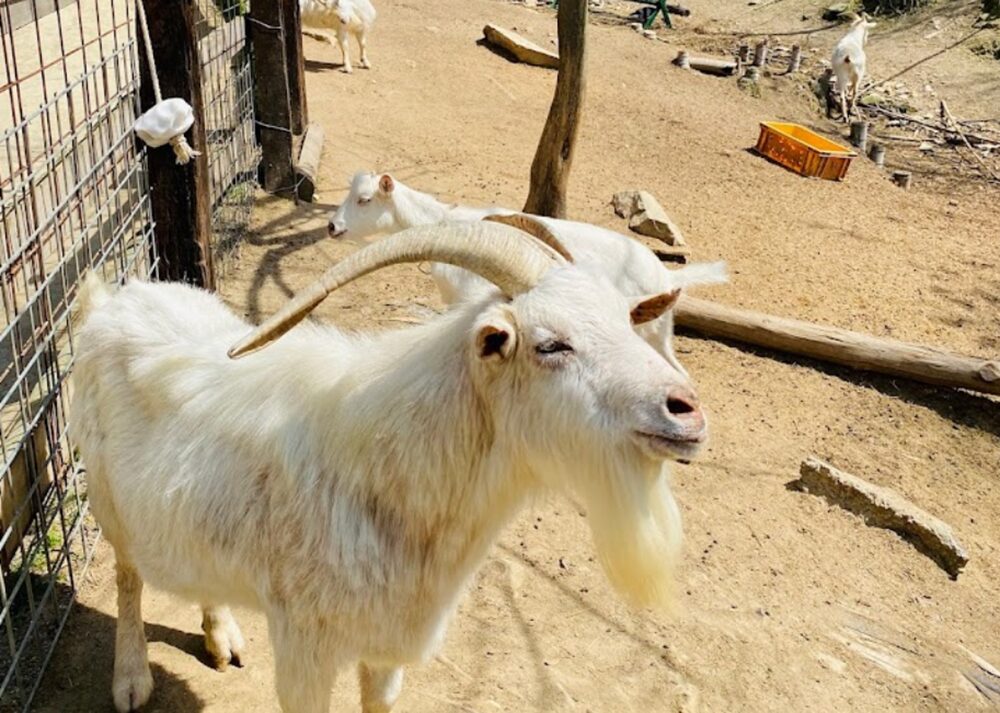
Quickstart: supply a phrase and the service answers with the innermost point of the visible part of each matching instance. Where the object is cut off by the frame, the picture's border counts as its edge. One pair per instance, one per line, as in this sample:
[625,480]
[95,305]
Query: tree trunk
[554,155]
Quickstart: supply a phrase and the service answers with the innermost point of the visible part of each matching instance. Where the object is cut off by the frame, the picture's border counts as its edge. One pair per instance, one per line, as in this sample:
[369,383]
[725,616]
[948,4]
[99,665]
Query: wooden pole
[795,61]
[179,195]
[902,178]
[554,155]
[840,346]
[877,154]
[272,101]
[859,134]
[760,53]
[292,22]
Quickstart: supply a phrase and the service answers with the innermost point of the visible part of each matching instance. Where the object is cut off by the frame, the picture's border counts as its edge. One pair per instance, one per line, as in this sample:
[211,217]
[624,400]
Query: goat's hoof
[365,64]
[132,690]
[346,69]
[225,645]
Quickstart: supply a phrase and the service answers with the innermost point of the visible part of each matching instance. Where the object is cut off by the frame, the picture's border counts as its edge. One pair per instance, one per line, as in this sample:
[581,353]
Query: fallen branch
[927,124]
[885,508]
[958,129]
[840,346]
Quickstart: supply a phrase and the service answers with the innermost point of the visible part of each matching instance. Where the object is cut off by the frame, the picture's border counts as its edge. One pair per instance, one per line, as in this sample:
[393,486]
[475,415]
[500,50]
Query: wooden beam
[272,102]
[554,155]
[307,167]
[179,195]
[840,346]
[292,22]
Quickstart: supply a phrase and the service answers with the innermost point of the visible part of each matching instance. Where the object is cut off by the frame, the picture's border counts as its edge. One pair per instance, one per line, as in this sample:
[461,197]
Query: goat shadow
[78,677]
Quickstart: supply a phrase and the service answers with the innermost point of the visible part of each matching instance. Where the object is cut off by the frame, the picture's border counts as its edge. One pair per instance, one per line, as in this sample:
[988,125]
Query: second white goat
[345,17]
[849,63]
[382,204]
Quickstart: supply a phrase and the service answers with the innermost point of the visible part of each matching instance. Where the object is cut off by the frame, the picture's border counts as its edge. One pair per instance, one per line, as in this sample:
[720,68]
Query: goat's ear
[646,309]
[495,338]
[386,184]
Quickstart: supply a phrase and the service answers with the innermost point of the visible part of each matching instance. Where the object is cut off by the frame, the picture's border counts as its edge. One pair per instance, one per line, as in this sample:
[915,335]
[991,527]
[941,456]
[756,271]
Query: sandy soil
[788,603]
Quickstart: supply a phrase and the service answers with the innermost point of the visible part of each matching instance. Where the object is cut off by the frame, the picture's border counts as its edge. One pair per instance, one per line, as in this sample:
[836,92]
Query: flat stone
[647,217]
[523,49]
[885,508]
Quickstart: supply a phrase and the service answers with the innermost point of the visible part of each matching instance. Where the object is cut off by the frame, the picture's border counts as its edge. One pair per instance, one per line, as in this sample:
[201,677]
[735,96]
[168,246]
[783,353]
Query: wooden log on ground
[307,167]
[885,508]
[710,65]
[840,346]
[523,49]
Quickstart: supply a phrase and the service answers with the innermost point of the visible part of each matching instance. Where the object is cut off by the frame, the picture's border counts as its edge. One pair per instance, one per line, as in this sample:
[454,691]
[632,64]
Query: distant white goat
[349,486]
[849,63]
[381,204]
[355,17]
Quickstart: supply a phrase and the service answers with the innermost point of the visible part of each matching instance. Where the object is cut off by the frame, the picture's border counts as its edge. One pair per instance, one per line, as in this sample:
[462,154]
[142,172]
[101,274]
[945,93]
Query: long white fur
[349,485]
[632,267]
[345,17]
[849,63]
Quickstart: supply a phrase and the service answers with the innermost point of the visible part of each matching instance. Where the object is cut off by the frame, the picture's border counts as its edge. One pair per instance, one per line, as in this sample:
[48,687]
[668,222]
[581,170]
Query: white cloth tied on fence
[166,123]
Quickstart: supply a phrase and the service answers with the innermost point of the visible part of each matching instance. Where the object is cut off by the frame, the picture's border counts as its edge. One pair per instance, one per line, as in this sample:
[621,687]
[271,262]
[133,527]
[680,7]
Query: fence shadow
[79,676]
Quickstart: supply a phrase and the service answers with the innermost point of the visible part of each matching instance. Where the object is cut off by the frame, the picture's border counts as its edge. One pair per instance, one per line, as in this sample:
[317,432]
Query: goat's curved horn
[533,226]
[504,256]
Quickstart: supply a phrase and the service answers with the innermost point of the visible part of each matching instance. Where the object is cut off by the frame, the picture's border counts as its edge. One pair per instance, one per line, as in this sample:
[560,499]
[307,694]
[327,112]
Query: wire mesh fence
[74,196]
[227,91]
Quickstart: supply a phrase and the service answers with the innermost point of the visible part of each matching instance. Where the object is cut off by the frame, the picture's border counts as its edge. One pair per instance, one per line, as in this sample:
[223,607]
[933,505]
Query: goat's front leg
[380,687]
[132,683]
[363,48]
[303,669]
[223,638]
[344,48]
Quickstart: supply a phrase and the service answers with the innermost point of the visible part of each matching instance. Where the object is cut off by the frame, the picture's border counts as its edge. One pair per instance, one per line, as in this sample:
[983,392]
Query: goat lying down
[348,486]
[381,204]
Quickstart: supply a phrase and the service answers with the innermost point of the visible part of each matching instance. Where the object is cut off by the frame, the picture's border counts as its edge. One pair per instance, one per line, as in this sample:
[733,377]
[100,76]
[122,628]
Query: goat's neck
[439,471]
[413,208]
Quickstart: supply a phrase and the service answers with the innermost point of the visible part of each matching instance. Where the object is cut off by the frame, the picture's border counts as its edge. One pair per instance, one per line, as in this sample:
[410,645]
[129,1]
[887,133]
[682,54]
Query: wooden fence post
[272,102]
[179,195]
[292,19]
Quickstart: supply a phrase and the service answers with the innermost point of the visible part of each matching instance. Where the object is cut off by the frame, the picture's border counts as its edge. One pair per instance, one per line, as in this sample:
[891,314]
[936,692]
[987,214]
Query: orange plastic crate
[807,153]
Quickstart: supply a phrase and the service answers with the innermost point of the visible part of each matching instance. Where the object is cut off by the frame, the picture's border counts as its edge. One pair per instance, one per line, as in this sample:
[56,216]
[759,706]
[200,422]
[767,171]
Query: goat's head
[367,209]
[862,23]
[578,400]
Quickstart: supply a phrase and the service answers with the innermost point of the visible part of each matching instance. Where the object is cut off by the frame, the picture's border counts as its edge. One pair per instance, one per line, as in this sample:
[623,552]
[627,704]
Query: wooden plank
[292,23]
[523,49]
[307,167]
[272,101]
[840,346]
[179,195]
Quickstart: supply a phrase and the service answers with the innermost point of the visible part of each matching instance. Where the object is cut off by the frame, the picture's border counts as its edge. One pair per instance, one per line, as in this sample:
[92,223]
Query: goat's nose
[335,230]
[682,407]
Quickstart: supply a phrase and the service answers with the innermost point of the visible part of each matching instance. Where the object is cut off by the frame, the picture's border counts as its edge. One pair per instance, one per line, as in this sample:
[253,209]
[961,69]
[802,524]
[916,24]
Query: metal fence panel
[74,196]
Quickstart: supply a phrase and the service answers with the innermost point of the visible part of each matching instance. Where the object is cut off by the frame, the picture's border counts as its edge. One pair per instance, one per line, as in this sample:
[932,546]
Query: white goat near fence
[349,486]
[381,204]
[849,62]
[345,17]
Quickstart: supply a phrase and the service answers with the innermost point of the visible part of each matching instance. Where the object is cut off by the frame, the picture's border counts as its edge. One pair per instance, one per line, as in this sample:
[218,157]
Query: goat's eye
[553,346]
[364,201]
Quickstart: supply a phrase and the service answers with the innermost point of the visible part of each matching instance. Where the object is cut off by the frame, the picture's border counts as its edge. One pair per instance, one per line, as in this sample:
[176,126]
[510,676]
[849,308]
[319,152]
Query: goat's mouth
[662,446]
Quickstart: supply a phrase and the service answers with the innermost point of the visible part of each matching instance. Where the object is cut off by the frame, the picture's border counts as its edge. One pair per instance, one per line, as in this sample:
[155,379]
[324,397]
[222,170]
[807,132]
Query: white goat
[849,63]
[354,17]
[349,486]
[380,203]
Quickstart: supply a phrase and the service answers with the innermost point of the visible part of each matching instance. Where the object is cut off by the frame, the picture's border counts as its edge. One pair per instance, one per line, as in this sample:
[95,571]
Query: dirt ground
[788,603]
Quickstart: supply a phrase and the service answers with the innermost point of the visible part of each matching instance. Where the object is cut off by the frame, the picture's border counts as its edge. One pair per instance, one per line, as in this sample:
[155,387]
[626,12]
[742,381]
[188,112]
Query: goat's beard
[637,532]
